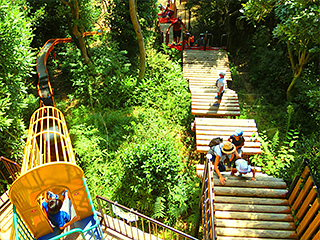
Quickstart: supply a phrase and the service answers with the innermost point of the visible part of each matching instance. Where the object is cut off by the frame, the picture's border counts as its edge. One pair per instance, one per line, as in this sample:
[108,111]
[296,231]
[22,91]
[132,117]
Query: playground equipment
[45,90]
[49,165]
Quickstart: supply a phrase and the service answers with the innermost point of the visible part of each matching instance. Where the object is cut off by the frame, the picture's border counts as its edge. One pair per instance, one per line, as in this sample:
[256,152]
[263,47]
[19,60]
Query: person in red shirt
[177,29]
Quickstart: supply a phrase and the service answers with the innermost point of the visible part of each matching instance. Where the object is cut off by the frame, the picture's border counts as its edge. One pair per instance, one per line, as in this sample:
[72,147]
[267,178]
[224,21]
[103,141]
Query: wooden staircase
[252,210]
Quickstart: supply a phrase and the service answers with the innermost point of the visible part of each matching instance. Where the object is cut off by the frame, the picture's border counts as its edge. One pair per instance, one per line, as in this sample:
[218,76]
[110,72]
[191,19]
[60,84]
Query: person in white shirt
[221,88]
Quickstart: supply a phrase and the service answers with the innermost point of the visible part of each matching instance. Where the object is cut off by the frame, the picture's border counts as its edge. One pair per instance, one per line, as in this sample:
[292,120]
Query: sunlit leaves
[299,24]
[258,10]
[16,65]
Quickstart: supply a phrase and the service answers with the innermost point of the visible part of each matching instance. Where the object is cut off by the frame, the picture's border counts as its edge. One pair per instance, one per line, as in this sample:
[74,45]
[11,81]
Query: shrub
[150,169]
[277,156]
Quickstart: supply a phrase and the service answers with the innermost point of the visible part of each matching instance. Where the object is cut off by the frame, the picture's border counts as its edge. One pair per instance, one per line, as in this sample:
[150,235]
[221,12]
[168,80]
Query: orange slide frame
[45,91]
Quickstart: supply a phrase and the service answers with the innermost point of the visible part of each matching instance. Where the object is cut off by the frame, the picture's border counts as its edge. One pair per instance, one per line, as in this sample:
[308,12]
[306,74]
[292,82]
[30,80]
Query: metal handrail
[206,206]
[23,231]
[133,224]
[12,168]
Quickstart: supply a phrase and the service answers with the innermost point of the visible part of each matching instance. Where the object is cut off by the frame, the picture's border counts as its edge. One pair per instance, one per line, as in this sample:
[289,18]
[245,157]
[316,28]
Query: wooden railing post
[304,200]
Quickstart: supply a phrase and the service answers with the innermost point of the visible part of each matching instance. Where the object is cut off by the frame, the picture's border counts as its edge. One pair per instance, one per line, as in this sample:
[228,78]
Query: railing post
[182,44]
[205,41]
[206,204]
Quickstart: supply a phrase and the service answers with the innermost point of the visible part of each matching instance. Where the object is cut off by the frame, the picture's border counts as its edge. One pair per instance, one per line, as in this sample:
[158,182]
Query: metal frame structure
[134,225]
[48,165]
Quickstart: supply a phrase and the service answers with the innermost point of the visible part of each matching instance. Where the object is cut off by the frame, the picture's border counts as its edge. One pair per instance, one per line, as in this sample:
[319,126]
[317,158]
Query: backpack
[215,141]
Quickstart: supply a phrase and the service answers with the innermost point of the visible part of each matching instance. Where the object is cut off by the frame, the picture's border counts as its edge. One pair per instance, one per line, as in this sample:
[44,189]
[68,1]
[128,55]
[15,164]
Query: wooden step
[219,113]
[210,98]
[210,90]
[208,70]
[252,208]
[245,150]
[206,74]
[249,200]
[228,122]
[250,192]
[254,224]
[203,78]
[221,107]
[206,65]
[225,100]
[209,102]
[209,105]
[227,176]
[248,143]
[280,217]
[251,184]
[236,232]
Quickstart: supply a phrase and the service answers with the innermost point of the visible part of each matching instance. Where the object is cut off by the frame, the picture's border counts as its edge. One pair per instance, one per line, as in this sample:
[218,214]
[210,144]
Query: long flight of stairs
[252,210]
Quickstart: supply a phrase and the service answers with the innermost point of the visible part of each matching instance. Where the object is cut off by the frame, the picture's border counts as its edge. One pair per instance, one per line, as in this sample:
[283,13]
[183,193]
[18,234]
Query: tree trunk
[137,29]
[303,58]
[76,31]
[289,89]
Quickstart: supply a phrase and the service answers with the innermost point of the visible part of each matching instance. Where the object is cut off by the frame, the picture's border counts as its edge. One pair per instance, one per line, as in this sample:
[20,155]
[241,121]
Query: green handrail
[74,230]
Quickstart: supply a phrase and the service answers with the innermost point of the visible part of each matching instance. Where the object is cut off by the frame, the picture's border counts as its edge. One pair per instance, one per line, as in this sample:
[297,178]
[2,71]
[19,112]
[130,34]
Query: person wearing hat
[177,29]
[238,140]
[243,168]
[219,153]
[221,88]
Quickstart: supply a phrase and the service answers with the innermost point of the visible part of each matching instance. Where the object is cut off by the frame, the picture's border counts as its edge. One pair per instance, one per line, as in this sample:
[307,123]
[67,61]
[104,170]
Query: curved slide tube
[45,90]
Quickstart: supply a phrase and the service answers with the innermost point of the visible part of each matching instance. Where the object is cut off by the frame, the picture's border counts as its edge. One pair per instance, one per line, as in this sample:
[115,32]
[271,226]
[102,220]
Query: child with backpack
[218,153]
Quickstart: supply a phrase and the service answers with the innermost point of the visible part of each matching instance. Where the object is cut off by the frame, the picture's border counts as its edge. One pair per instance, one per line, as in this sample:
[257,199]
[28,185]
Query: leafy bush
[307,148]
[270,71]
[107,82]
[277,156]
[16,63]
[96,138]
[151,168]
[111,126]
[100,166]
[164,89]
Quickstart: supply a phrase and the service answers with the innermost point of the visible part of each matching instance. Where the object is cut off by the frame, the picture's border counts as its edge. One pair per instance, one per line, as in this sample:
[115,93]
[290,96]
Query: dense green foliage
[17,64]
[117,18]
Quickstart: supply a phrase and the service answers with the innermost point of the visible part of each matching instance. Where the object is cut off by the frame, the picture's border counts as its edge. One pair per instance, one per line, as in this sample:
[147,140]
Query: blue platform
[85,224]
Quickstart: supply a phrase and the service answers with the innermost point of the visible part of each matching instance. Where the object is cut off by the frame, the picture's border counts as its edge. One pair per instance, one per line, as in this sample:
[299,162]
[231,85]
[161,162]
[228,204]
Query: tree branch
[66,3]
[291,57]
